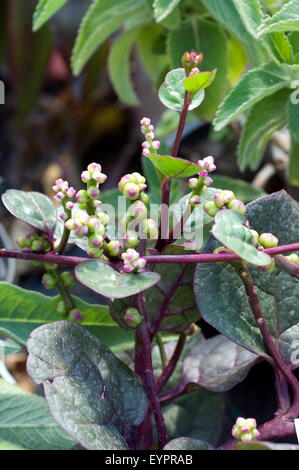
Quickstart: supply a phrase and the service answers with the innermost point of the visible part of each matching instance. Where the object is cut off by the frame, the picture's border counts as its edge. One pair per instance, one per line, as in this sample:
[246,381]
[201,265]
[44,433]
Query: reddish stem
[169,369]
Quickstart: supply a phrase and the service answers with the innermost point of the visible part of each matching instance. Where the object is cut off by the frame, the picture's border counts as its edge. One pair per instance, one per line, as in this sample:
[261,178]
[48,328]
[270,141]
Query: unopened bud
[267,240]
[67,279]
[48,281]
[132,317]
[237,206]
[75,316]
[211,209]
[114,248]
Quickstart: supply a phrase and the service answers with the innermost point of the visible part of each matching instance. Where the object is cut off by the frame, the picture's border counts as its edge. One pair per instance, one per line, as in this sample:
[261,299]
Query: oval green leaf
[172,91]
[173,167]
[106,281]
[199,81]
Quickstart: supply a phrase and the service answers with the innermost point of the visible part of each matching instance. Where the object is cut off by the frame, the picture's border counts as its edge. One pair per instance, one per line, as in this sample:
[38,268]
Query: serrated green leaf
[229,311]
[21,311]
[199,81]
[203,36]
[119,67]
[172,92]
[173,167]
[91,393]
[197,415]
[101,20]
[252,88]
[163,8]
[173,20]
[8,347]
[228,14]
[293,38]
[241,189]
[187,443]
[106,281]
[264,118]
[281,47]
[293,118]
[25,421]
[45,10]
[286,19]
[230,230]
[216,364]
[293,168]
[250,13]
[35,209]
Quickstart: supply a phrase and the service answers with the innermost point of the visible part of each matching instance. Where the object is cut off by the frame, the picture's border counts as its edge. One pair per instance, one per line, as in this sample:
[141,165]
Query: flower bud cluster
[64,195]
[149,145]
[132,186]
[199,185]
[34,242]
[222,201]
[132,261]
[245,430]
[93,227]
[73,315]
[93,177]
[191,60]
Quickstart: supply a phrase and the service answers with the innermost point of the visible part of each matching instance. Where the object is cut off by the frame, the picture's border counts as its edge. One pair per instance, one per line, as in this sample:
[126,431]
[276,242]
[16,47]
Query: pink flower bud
[145,152]
[85,176]
[145,122]
[150,136]
[99,177]
[69,205]
[156,144]
[71,192]
[92,167]
[145,145]
[203,173]
[192,182]
[63,215]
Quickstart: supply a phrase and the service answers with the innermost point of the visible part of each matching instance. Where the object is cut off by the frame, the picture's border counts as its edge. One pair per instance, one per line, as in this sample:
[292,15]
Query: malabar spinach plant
[234,35]
[139,374]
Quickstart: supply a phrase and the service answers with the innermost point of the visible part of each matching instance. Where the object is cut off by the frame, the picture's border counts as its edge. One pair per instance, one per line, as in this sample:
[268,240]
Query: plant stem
[169,369]
[148,375]
[63,291]
[64,240]
[52,257]
[160,344]
[167,183]
[286,265]
[256,309]
[282,392]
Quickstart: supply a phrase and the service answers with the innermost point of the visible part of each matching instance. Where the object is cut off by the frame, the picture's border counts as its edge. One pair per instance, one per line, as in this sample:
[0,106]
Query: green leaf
[91,393]
[241,189]
[35,209]
[101,20]
[151,47]
[163,8]
[172,91]
[286,19]
[173,20]
[228,14]
[173,167]
[4,445]
[199,81]
[25,421]
[293,118]
[280,47]
[106,281]
[119,66]
[45,10]
[8,347]
[216,364]
[21,311]
[221,297]
[250,13]
[264,118]
[197,415]
[253,87]
[293,168]
[237,63]
[173,295]
[230,230]
[207,37]
[293,38]
[187,443]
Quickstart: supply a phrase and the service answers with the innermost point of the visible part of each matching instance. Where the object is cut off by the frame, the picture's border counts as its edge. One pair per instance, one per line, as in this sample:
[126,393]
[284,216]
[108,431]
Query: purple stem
[169,369]
[152,259]
[148,375]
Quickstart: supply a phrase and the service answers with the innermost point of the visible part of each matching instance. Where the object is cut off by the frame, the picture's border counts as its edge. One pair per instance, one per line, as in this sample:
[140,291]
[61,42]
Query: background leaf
[101,20]
[265,117]
[253,87]
[163,8]
[293,168]
[241,189]
[187,443]
[119,66]
[25,420]
[197,415]
[45,10]
[286,19]
[90,392]
[22,311]
[8,347]
[293,119]
[173,167]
